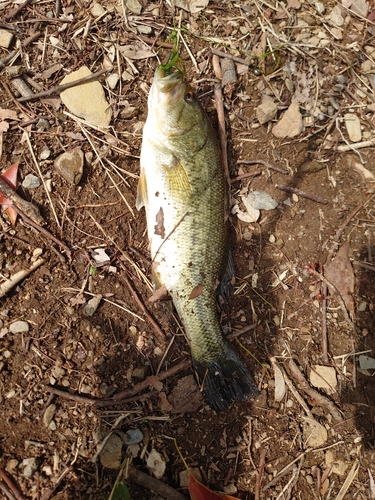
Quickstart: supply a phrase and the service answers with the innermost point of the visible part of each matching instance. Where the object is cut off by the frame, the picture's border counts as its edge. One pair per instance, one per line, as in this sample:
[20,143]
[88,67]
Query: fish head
[173,105]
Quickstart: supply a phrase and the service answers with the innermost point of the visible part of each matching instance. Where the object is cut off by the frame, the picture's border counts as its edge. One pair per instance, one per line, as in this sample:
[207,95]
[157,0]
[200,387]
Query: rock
[112,80]
[48,415]
[19,327]
[70,165]
[30,465]
[5,38]
[110,456]
[92,305]
[97,10]
[57,372]
[266,111]
[366,66]
[128,112]
[320,8]
[140,372]
[314,433]
[133,436]
[31,181]
[291,124]
[353,127]
[336,17]
[186,396]
[324,377]
[359,7]
[134,6]
[86,100]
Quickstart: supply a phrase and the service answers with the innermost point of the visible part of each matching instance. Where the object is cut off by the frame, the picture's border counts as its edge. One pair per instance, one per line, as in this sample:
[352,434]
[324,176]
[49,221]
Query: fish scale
[183,190]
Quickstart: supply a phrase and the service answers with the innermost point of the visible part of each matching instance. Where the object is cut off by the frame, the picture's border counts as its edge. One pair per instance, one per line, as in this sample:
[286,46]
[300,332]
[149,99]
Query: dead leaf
[280,388]
[159,294]
[155,382]
[8,114]
[340,273]
[198,491]
[165,405]
[324,377]
[196,292]
[10,177]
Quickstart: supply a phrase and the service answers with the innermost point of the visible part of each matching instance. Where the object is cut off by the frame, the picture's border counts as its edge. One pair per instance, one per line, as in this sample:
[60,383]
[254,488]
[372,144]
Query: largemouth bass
[183,190]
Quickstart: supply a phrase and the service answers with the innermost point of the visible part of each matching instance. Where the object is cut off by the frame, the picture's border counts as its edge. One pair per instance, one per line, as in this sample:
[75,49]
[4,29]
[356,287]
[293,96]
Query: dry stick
[4,61]
[340,230]
[44,231]
[4,488]
[26,207]
[220,53]
[12,485]
[324,325]
[298,192]
[60,88]
[151,483]
[15,12]
[7,285]
[158,330]
[262,463]
[245,176]
[265,163]
[219,102]
[145,383]
[312,393]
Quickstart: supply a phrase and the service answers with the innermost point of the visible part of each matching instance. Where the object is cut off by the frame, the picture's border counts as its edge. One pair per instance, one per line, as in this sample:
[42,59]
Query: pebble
[353,127]
[320,8]
[87,100]
[70,165]
[359,7]
[48,415]
[31,181]
[30,465]
[19,327]
[366,66]
[57,372]
[92,305]
[112,80]
[128,112]
[97,10]
[5,38]
[291,124]
[266,111]
[110,456]
[134,6]
[336,17]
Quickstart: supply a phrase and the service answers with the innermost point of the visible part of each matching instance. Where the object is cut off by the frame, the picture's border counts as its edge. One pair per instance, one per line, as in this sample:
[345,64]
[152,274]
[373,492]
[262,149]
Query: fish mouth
[169,86]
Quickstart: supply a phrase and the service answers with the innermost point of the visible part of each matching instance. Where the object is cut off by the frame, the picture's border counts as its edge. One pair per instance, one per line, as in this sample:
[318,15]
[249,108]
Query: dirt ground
[282,304]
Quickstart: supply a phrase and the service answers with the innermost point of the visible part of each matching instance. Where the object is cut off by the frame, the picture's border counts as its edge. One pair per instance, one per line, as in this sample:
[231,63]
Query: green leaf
[120,492]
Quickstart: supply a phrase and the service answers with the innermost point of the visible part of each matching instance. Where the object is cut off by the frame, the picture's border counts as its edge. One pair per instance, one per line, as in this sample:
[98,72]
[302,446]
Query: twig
[356,145]
[312,393]
[262,463]
[324,325]
[265,163]
[285,470]
[146,383]
[237,333]
[11,485]
[4,488]
[25,206]
[151,483]
[245,176]
[4,61]
[138,300]
[348,481]
[7,285]
[239,60]
[298,192]
[340,230]
[219,102]
[15,12]
[64,86]
[44,231]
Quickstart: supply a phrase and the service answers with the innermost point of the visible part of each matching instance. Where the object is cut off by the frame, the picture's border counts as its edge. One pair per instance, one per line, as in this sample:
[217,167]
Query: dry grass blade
[348,481]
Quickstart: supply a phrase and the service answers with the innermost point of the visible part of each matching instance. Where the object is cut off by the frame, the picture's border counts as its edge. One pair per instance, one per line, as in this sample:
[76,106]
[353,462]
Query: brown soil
[97,356]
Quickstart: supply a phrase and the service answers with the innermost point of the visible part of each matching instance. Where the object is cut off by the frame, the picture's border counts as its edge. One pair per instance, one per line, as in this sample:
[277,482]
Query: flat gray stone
[336,17]
[360,7]
[70,165]
[353,127]
[87,100]
[31,181]
[291,124]
[19,327]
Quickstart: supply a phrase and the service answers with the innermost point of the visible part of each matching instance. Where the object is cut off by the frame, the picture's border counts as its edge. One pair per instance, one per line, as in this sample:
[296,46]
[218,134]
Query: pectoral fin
[142,198]
[178,180]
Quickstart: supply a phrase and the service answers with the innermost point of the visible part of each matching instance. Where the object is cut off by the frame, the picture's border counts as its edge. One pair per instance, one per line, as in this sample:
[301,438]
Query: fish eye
[189,96]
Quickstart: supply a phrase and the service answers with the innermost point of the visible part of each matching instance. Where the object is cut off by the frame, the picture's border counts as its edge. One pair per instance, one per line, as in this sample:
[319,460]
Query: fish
[184,191]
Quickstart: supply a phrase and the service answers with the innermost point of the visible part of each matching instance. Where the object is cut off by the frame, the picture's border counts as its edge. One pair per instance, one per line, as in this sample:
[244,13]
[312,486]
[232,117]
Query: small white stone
[353,127]
[5,38]
[97,10]
[112,80]
[336,16]
[19,327]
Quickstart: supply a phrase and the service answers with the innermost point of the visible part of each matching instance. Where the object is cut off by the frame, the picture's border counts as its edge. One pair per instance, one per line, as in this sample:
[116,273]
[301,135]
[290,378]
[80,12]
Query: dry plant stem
[186,363]
[343,148]
[340,230]
[245,176]
[295,393]
[285,470]
[60,88]
[158,331]
[239,60]
[337,294]
[298,192]
[155,485]
[265,163]
[15,12]
[4,488]
[18,277]
[44,231]
[348,481]
[262,463]
[324,326]
[11,485]
[312,393]
[4,61]
[26,207]
[219,102]
[26,112]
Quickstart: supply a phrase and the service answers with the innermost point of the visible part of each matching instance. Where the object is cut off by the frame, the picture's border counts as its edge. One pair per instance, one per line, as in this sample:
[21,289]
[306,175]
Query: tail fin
[225,380]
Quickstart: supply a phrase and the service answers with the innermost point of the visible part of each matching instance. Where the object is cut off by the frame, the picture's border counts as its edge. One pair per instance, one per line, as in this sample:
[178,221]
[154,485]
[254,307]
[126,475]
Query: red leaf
[10,177]
[200,492]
